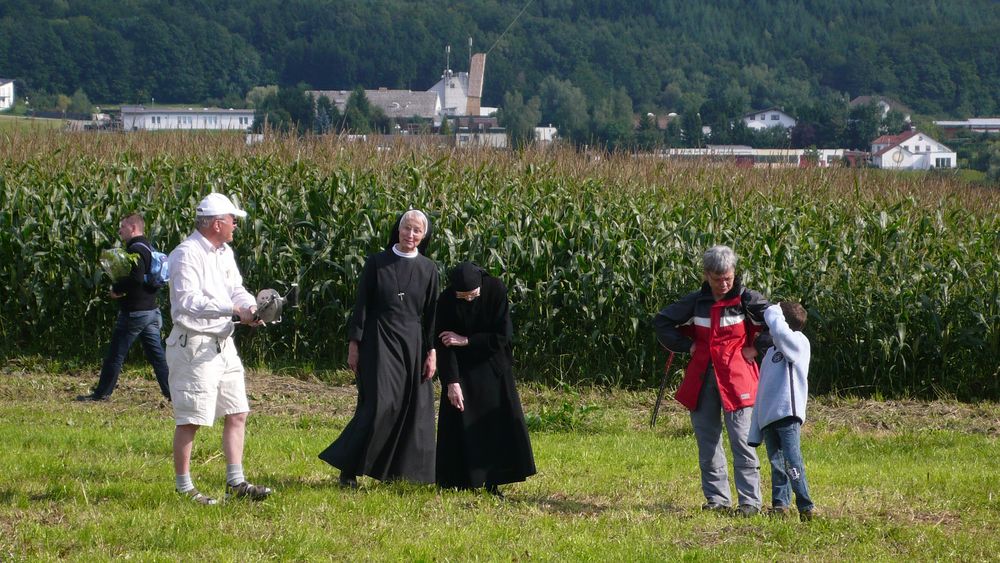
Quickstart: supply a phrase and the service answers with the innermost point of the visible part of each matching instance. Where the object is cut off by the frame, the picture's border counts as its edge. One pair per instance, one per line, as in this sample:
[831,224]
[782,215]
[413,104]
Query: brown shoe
[808,515]
[779,512]
[247,491]
[197,497]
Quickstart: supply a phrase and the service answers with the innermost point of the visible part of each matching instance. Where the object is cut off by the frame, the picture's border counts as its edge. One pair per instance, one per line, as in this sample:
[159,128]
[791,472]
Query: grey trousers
[712,459]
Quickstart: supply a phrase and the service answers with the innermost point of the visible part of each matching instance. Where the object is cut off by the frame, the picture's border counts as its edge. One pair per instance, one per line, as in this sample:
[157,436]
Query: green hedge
[899,272]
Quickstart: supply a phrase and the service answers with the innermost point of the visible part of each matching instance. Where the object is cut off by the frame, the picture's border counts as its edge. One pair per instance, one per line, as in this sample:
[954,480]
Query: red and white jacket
[720,329]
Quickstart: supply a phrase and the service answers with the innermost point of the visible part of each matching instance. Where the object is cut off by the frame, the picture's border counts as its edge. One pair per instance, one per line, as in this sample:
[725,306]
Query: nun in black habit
[390,350]
[482,436]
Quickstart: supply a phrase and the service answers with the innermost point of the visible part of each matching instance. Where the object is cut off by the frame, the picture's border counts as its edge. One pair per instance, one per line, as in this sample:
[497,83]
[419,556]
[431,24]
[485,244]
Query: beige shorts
[206,378]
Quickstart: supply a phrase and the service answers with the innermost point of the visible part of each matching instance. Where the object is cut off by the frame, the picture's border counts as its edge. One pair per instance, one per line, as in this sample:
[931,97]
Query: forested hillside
[714,56]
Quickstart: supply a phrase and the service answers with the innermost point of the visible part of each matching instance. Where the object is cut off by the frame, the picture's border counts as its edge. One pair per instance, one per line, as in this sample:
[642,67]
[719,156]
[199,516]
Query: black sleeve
[754,304]
[366,290]
[499,330]
[668,321]
[446,358]
[430,308]
[137,275]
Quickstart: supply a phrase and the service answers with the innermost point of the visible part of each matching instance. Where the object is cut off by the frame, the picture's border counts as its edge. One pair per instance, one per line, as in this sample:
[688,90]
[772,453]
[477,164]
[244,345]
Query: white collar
[402,254]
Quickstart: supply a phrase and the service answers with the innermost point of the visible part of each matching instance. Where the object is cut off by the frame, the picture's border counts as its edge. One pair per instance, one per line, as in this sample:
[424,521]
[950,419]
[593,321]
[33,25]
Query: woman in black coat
[390,350]
[482,437]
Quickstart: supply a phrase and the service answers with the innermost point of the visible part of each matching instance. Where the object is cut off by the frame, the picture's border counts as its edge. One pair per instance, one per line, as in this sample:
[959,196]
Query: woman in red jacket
[718,325]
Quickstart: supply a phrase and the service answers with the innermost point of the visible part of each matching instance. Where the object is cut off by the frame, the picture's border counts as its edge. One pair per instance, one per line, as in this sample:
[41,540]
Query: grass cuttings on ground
[894,480]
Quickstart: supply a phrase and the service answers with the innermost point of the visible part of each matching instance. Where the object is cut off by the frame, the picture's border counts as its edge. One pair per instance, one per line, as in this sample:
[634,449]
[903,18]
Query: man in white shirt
[206,374]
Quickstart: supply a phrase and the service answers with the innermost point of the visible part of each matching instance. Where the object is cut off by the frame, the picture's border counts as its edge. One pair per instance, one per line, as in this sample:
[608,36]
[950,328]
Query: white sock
[234,473]
[183,483]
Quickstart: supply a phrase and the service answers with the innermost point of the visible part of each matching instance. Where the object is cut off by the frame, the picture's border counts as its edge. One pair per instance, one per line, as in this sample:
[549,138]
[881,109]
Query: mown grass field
[21,124]
[895,480]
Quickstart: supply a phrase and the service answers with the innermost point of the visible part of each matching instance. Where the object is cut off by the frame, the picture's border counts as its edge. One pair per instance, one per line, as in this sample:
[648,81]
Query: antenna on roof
[470,52]
[447,60]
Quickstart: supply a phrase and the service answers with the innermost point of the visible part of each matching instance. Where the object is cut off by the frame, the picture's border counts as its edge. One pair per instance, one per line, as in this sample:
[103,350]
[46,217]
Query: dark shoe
[92,398]
[746,511]
[348,481]
[715,507]
[495,491]
[808,515]
[247,491]
[779,512]
[199,498]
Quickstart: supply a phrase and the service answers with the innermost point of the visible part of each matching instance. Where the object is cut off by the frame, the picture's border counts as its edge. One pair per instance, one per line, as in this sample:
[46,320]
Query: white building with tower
[455,94]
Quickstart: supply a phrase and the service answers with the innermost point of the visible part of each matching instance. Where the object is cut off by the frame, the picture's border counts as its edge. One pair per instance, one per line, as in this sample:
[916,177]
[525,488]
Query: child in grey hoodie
[780,408]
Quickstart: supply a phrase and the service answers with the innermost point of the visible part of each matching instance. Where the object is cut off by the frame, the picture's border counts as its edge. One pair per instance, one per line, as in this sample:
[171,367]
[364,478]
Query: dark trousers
[146,326]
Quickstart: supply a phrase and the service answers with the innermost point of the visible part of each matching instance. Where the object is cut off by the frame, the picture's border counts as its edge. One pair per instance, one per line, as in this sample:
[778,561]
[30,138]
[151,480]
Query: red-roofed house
[911,150]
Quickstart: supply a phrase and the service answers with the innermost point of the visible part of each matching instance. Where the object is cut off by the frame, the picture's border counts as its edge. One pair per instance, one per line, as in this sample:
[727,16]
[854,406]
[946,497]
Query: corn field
[899,271]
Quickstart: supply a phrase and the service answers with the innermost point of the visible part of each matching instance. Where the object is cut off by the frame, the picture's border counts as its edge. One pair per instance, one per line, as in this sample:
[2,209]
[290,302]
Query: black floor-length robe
[488,443]
[392,433]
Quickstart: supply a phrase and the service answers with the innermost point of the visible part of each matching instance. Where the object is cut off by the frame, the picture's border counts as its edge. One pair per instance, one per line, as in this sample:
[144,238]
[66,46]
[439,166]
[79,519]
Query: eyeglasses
[468,295]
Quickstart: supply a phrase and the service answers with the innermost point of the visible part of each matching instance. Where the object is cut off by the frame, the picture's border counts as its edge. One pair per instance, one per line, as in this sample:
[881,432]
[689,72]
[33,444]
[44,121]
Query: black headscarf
[466,276]
[394,235]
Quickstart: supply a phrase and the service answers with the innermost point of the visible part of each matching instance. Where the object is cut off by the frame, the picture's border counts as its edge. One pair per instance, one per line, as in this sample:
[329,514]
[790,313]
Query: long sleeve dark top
[138,295]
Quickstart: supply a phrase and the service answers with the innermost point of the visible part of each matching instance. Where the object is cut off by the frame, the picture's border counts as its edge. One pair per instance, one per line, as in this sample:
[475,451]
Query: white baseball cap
[217,204]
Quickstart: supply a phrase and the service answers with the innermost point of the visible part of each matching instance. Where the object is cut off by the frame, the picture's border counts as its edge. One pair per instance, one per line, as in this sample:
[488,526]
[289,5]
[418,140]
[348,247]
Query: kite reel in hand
[270,304]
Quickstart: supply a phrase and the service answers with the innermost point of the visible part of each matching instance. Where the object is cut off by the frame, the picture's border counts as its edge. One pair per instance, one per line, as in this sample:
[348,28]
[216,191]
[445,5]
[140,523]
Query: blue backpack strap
[149,263]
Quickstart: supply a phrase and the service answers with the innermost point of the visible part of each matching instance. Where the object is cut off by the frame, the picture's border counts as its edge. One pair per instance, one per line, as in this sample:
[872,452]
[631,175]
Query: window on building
[750,118]
[927,148]
[942,163]
[774,117]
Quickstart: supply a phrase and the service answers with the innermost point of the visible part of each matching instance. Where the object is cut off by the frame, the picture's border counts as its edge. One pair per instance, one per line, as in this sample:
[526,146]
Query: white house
[911,150]
[6,94]
[546,135]
[141,118]
[885,105]
[494,137]
[770,117]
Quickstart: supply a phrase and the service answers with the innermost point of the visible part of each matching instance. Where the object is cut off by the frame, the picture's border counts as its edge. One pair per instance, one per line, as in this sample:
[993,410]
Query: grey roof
[398,104]
[6,80]
[191,110]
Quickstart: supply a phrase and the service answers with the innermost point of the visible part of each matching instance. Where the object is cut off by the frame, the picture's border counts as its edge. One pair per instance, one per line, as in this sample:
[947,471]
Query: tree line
[590,64]
[670,55]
